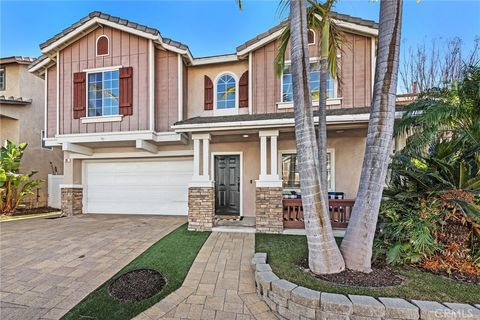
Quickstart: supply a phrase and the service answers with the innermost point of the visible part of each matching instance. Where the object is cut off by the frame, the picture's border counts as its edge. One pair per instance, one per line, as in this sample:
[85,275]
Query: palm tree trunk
[322,108]
[323,254]
[358,242]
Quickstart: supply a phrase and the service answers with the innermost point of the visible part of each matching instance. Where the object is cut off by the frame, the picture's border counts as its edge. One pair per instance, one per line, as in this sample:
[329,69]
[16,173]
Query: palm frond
[282,49]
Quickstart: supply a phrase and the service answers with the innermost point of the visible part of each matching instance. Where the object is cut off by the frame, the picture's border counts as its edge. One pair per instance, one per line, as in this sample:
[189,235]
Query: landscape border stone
[290,301]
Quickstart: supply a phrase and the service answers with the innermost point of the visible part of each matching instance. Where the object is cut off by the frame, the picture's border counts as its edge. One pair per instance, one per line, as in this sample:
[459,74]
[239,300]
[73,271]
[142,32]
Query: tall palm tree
[324,254]
[319,17]
[358,242]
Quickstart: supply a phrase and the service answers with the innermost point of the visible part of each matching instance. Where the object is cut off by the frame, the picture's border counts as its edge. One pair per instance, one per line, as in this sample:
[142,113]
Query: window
[291,177]
[102,46]
[287,86]
[2,78]
[226,92]
[103,93]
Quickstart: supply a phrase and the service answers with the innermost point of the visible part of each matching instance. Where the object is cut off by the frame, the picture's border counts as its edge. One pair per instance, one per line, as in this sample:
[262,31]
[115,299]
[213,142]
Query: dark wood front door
[227,185]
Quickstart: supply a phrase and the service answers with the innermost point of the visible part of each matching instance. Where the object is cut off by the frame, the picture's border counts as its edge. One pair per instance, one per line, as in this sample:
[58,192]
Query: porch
[251,175]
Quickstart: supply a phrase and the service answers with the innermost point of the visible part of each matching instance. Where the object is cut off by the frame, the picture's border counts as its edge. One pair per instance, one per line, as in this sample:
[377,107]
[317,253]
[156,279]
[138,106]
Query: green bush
[14,186]
[433,190]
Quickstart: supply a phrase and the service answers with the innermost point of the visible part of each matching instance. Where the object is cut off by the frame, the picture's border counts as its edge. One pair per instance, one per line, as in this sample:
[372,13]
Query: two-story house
[22,117]
[146,128]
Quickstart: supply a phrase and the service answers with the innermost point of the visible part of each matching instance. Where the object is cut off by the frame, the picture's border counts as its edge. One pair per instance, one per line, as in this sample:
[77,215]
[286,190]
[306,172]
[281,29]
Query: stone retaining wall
[289,301]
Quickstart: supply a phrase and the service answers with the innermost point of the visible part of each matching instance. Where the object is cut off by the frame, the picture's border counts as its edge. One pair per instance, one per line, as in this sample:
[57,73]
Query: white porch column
[196,159]
[268,179]
[263,157]
[273,157]
[201,152]
[206,157]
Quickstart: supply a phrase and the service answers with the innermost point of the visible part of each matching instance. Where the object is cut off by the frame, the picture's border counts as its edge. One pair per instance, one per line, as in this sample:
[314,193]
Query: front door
[227,185]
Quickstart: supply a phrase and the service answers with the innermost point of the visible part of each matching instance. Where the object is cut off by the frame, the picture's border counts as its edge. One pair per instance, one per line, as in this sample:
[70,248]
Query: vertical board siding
[52,102]
[125,50]
[166,86]
[355,72]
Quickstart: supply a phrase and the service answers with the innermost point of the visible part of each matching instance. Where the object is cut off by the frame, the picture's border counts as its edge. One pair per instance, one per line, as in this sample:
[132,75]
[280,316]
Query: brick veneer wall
[269,210]
[289,301]
[71,201]
[201,208]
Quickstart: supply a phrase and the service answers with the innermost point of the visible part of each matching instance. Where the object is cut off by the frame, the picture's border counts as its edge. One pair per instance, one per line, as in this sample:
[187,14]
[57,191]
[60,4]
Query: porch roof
[270,119]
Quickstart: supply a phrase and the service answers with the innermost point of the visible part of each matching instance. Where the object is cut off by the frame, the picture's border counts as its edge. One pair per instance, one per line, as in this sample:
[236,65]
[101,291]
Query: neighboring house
[22,101]
[148,129]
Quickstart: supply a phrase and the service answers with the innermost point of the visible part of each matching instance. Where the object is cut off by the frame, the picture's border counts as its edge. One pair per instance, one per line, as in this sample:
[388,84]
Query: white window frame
[230,111]
[289,104]
[102,118]
[108,46]
[290,151]
[314,37]
[4,70]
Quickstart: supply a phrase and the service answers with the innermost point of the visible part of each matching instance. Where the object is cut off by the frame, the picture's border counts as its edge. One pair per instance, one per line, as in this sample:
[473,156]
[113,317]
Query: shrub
[14,186]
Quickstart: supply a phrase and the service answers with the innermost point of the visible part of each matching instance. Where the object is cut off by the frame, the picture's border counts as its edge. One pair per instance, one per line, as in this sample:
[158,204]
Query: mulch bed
[381,276]
[137,285]
[24,211]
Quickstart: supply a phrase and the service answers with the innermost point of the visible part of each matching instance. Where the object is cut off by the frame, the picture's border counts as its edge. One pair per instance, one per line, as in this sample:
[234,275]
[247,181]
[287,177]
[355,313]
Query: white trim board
[212,171]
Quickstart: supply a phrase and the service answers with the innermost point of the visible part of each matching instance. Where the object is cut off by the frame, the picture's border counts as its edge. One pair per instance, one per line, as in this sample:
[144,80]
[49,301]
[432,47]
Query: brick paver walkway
[47,266]
[220,285]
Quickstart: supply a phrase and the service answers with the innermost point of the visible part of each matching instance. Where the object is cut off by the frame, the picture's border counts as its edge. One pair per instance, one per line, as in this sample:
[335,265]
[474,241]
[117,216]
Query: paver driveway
[47,266]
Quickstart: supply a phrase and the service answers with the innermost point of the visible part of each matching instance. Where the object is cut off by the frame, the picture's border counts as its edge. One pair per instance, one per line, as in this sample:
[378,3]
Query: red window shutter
[208,94]
[126,91]
[79,95]
[243,88]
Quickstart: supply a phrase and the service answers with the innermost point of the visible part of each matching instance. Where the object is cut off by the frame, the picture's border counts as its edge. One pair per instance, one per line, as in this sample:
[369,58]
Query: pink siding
[125,50]
[355,72]
[51,102]
[166,86]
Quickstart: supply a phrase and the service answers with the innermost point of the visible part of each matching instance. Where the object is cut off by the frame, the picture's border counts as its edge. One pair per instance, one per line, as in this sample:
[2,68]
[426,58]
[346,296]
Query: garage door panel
[138,187]
[129,180]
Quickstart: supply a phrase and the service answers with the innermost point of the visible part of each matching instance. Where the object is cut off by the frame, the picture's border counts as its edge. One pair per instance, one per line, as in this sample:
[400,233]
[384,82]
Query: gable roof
[343,20]
[95,18]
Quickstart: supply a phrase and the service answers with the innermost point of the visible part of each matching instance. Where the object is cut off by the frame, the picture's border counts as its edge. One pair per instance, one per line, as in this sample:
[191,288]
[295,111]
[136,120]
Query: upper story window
[311,36]
[102,46]
[226,92]
[2,79]
[287,86]
[103,93]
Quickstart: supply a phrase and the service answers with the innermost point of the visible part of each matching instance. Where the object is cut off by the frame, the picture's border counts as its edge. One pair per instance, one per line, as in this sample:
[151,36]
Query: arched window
[311,36]
[226,92]
[102,46]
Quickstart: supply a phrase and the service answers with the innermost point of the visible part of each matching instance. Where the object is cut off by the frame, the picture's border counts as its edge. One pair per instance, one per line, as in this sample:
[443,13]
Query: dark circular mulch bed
[137,285]
[381,276]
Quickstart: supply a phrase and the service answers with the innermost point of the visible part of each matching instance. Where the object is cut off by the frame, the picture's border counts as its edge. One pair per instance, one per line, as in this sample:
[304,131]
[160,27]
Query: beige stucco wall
[30,121]
[12,85]
[349,149]
[196,85]
[9,129]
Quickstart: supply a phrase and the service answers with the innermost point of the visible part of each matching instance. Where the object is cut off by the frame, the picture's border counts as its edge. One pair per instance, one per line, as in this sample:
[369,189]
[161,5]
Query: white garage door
[138,187]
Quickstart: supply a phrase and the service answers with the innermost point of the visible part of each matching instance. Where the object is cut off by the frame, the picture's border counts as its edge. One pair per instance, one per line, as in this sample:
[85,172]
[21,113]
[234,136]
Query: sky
[218,27]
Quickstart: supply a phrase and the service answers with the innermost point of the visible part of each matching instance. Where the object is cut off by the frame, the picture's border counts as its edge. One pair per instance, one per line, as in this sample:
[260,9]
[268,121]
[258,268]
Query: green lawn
[284,252]
[172,255]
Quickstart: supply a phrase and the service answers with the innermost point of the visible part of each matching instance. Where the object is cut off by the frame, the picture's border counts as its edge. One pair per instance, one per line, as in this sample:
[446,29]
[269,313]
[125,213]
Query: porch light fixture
[245,136]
